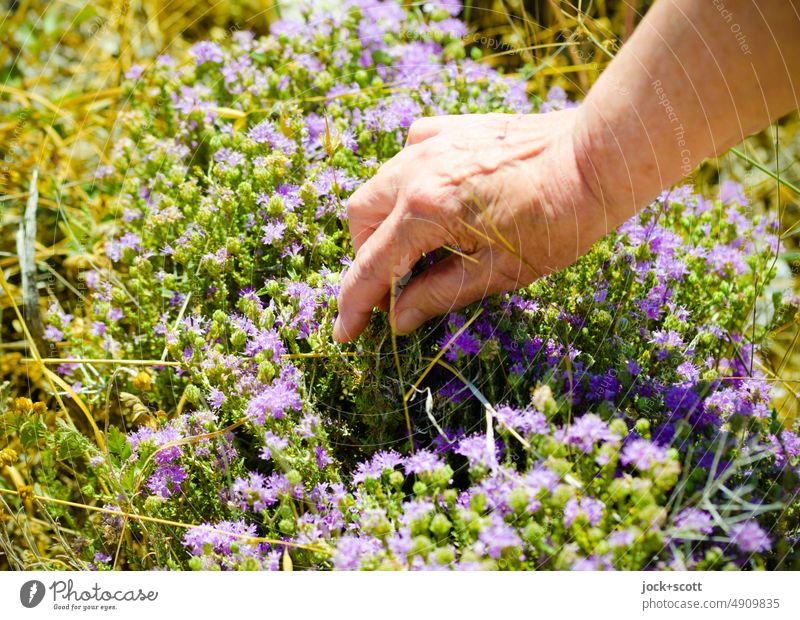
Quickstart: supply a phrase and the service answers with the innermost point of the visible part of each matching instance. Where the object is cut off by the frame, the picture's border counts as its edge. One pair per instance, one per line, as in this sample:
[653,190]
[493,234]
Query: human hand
[508,193]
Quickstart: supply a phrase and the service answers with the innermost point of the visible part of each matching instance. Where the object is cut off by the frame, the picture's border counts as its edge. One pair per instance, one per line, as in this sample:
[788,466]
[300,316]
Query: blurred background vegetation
[62,61]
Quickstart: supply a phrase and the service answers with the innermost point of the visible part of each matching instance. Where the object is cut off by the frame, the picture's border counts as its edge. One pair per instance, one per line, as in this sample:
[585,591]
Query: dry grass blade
[441,353]
[156,520]
[26,252]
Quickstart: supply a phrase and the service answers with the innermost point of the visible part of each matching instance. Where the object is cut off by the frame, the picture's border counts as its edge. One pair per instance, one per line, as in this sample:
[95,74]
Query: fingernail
[408,320]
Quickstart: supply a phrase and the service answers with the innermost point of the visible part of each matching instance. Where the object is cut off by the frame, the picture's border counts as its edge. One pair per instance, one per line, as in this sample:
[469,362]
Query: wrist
[602,166]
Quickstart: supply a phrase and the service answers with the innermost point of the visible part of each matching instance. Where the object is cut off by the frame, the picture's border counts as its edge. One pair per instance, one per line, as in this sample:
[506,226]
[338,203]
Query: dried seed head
[133,409]
[23,404]
[7,456]
[143,381]
[26,493]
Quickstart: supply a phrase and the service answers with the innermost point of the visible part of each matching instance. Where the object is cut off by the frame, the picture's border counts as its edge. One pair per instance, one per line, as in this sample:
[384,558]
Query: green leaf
[118,446]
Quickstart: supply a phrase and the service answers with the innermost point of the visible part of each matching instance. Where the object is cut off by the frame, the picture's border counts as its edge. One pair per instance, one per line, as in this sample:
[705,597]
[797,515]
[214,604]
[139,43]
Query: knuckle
[355,203]
[418,129]
[371,266]
[423,196]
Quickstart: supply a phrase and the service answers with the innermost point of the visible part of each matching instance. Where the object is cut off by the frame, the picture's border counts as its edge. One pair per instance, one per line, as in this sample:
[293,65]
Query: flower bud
[543,400]
[562,494]
[642,427]
[396,479]
[446,555]
[533,533]
[192,394]
[619,427]
[421,545]
[440,525]
[518,500]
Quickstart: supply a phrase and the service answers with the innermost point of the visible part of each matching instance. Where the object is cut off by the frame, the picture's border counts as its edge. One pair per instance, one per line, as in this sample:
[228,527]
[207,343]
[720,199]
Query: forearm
[696,78]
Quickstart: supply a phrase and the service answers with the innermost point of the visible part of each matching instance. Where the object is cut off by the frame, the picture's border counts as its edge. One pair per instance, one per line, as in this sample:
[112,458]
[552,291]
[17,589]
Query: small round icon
[31,593]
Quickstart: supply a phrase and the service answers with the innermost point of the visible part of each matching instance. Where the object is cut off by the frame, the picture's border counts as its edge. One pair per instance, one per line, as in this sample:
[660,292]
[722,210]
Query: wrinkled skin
[508,192]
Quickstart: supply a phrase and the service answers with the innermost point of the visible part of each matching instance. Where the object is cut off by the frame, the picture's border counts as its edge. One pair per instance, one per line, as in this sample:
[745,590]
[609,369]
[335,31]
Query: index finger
[371,203]
[388,255]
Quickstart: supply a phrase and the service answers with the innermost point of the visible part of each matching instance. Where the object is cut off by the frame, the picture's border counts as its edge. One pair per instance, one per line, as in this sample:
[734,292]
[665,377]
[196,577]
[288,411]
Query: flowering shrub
[611,416]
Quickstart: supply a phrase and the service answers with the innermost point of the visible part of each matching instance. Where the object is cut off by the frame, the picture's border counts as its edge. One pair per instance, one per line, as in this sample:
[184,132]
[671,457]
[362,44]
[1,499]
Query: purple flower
[424,461]
[622,538]
[210,538]
[526,421]
[206,51]
[749,537]
[605,387]
[688,372]
[274,400]
[591,509]
[266,133]
[228,158]
[216,398]
[667,338]
[786,446]
[453,7]
[722,258]
[380,462]
[465,343]
[497,537]
[272,442]
[134,72]
[53,334]
[731,192]
[350,550]
[587,431]
[694,520]
[272,232]
[166,479]
[643,454]
[398,113]
[477,451]
[416,510]
[265,341]
[321,457]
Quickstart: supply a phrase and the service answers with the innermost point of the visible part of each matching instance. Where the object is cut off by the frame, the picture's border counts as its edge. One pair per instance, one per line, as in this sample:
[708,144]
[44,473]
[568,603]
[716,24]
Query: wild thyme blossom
[588,431]
[695,521]
[643,454]
[379,463]
[273,400]
[750,537]
[586,508]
